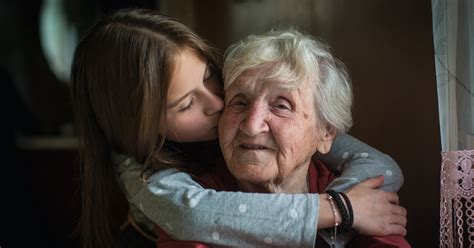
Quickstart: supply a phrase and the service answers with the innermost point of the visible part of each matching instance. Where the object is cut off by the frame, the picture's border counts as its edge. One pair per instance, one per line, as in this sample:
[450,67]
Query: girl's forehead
[188,73]
[186,51]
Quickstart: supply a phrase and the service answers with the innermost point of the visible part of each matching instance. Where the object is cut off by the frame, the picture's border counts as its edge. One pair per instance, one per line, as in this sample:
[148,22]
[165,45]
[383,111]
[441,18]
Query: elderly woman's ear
[327,136]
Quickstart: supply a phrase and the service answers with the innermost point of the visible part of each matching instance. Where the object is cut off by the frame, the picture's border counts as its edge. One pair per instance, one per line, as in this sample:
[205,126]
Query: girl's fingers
[397,230]
[399,210]
[392,198]
[399,220]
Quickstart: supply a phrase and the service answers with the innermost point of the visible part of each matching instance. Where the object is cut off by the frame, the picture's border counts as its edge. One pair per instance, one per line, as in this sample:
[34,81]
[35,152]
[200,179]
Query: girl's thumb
[373,182]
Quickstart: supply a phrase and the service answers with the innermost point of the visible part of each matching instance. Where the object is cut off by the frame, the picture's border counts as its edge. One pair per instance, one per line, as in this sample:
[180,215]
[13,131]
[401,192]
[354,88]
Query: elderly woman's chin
[266,171]
[256,166]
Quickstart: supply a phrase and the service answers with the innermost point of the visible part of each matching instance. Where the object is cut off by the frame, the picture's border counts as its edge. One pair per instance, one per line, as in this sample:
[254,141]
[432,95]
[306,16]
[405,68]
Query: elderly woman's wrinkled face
[267,133]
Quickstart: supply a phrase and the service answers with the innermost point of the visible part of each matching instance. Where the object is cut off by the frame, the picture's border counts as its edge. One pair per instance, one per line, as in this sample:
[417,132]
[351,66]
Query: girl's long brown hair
[120,78]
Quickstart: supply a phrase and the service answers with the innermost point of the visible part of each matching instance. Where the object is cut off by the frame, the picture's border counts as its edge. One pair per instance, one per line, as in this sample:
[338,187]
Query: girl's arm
[358,161]
[186,211]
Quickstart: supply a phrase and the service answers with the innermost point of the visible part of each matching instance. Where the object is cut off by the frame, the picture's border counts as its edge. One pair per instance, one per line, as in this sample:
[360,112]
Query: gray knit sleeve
[186,211]
[358,161]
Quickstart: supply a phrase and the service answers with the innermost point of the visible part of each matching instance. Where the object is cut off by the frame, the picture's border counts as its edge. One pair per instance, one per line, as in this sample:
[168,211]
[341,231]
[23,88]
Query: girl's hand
[376,212]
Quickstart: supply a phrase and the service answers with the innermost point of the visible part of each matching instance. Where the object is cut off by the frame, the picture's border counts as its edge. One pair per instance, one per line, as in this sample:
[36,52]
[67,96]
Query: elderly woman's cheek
[228,125]
[299,141]
[228,128]
[293,151]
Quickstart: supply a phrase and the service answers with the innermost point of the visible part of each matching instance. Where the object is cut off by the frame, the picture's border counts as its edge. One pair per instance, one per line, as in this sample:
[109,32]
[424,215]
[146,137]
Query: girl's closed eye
[188,107]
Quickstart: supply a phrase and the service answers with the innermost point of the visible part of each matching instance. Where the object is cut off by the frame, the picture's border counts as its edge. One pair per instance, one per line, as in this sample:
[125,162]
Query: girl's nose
[214,104]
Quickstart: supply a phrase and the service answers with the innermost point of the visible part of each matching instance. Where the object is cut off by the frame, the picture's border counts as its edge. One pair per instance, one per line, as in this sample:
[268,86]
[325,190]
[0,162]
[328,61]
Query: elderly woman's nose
[214,103]
[255,120]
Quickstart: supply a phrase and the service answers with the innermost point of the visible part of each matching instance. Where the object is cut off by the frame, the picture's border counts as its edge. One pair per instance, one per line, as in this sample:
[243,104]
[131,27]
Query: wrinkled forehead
[258,83]
[273,76]
[253,81]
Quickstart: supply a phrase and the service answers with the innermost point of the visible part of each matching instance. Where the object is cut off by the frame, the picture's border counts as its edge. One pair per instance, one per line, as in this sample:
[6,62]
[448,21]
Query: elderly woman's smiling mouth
[247,146]
[253,151]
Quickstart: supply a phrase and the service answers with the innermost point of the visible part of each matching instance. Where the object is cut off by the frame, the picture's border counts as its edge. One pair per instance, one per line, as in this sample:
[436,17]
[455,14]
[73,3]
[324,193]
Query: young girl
[147,96]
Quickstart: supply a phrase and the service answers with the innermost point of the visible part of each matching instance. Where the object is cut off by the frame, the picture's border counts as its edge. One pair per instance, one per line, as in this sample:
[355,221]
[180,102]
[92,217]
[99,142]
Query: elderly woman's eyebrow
[239,86]
[230,94]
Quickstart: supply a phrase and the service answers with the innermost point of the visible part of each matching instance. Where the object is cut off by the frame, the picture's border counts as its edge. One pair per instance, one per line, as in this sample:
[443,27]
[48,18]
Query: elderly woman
[286,98]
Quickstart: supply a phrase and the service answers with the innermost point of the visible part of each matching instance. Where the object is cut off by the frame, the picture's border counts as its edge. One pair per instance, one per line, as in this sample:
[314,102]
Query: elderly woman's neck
[294,183]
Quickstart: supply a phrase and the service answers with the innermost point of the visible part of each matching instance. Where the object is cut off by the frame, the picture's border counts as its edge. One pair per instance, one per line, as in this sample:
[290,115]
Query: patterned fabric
[166,199]
[453,36]
[319,177]
[457,199]
[221,180]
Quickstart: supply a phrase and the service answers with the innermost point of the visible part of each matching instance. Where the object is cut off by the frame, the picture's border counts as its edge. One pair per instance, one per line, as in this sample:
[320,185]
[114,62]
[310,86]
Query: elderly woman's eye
[283,105]
[238,102]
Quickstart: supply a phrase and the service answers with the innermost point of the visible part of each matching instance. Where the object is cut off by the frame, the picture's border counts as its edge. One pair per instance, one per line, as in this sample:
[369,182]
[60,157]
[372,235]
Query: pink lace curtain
[457,199]
[453,33]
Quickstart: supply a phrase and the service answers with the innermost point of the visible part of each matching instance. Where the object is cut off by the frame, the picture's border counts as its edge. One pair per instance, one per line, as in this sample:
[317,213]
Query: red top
[319,179]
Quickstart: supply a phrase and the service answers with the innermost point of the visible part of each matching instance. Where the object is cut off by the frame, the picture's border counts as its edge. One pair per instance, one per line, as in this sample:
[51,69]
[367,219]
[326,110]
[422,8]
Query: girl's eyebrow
[173,104]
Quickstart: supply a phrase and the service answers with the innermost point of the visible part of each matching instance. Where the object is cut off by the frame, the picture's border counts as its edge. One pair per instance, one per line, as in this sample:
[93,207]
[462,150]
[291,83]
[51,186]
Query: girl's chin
[212,136]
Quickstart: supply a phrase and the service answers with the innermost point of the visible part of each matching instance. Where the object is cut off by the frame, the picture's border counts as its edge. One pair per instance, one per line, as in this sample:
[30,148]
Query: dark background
[386,45]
